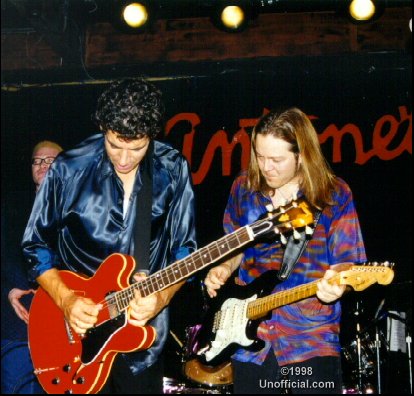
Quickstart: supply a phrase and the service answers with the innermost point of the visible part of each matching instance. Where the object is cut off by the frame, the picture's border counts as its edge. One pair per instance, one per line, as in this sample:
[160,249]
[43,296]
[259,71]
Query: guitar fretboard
[261,306]
[357,276]
[286,217]
[183,268]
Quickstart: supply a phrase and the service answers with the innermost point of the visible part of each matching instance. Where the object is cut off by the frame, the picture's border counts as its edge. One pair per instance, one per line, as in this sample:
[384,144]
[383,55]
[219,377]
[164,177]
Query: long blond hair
[294,127]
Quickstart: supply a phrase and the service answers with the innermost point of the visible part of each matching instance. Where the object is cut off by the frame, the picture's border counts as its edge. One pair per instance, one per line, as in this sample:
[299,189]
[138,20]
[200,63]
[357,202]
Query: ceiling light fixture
[133,16]
[232,16]
[363,10]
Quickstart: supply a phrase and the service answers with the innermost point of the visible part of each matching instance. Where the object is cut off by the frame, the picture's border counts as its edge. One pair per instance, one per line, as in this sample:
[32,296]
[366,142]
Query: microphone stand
[408,340]
[358,341]
[377,318]
[377,347]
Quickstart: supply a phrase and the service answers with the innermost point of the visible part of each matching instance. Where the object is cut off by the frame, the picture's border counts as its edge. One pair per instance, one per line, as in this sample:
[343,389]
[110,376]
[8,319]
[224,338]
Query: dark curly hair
[133,108]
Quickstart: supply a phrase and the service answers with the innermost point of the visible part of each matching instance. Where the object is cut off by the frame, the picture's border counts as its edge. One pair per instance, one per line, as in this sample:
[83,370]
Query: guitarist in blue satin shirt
[86,210]
[302,347]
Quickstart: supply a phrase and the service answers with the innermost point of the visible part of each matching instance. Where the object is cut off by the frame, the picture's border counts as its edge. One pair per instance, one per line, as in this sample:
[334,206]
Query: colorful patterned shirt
[308,328]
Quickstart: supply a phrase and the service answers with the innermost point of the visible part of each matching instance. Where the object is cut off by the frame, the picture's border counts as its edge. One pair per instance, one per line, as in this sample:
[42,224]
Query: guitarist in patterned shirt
[302,347]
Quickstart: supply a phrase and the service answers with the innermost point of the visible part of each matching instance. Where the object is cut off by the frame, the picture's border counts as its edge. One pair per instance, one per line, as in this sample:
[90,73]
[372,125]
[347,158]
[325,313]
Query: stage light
[362,10]
[135,15]
[232,16]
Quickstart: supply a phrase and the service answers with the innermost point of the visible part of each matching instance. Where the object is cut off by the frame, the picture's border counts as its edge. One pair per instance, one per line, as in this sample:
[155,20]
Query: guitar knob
[56,381]
[67,368]
[68,391]
[80,380]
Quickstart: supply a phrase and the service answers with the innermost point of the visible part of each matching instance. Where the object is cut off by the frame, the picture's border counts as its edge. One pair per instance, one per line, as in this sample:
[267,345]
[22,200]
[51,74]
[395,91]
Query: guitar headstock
[286,219]
[359,277]
[295,214]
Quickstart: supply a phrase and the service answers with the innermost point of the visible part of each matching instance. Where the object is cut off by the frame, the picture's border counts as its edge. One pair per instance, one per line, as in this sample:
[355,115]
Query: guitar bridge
[69,333]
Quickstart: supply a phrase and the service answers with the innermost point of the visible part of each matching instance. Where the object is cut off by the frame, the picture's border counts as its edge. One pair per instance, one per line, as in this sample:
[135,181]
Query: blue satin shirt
[77,220]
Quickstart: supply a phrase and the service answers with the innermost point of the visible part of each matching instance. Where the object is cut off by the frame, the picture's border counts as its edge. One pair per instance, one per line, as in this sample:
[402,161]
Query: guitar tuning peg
[283,239]
[282,209]
[308,230]
[276,230]
[270,208]
[375,263]
[296,234]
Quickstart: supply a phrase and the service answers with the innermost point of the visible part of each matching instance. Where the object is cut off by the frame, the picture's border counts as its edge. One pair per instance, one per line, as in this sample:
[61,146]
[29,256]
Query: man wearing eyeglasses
[44,153]
[16,366]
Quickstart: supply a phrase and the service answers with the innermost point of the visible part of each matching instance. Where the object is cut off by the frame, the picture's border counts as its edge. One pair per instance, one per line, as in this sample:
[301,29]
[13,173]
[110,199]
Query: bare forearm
[52,283]
[233,263]
[168,293]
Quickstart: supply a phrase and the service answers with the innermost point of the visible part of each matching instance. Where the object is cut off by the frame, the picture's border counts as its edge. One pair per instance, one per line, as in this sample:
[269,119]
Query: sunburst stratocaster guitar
[65,362]
[235,314]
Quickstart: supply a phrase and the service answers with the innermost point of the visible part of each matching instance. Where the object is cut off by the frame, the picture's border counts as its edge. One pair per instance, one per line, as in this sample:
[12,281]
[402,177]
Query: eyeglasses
[39,161]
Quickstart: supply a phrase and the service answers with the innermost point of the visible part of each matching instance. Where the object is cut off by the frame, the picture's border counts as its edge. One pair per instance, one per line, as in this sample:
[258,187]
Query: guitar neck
[294,214]
[358,276]
[184,268]
[261,306]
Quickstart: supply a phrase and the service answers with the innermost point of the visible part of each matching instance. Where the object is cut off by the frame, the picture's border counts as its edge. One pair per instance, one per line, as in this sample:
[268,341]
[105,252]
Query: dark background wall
[357,95]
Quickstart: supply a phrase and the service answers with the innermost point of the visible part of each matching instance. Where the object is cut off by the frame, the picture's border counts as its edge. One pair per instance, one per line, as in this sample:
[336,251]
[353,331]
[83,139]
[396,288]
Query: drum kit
[366,358]
[362,355]
[198,378]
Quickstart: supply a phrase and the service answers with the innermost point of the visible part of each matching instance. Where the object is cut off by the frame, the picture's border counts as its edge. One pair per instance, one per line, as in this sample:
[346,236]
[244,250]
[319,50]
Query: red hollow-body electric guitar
[66,362]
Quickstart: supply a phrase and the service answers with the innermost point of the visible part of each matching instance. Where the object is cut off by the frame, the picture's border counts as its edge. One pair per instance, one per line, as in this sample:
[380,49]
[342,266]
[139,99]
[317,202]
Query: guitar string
[285,297]
[128,293]
[170,272]
[121,299]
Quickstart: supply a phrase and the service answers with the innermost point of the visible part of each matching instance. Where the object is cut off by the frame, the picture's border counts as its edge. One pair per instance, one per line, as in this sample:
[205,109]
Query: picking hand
[81,313]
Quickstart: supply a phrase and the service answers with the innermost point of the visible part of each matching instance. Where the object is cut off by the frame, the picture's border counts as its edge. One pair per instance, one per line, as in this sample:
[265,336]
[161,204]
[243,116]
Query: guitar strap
[144,211]
[294,249]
